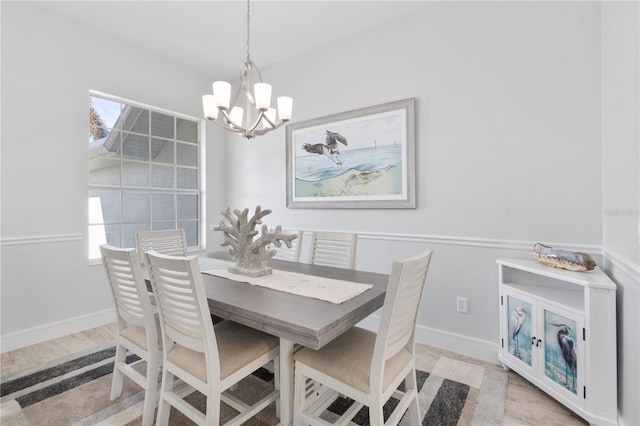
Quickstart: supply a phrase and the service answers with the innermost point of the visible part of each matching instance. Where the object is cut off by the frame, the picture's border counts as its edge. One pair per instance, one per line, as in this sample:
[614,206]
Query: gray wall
[516,143]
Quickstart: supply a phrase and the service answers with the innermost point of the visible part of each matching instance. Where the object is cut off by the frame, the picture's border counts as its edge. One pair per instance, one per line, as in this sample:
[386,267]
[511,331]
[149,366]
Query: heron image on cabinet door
[519,338]
[560,359]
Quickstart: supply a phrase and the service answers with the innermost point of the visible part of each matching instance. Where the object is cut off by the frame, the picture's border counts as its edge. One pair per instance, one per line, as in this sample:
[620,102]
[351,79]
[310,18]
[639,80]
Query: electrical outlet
[462,304]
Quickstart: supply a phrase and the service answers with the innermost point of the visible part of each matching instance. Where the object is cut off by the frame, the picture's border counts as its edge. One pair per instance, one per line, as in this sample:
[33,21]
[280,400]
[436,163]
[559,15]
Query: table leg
[286,382]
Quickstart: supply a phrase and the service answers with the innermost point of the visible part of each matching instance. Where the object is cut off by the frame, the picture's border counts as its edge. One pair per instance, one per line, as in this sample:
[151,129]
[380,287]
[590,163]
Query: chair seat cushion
[137,335]
[348,359]
[237,346]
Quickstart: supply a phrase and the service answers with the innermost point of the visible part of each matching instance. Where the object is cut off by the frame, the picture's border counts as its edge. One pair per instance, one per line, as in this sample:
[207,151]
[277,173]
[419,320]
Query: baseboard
[476,348]
[31,336]
[458,343]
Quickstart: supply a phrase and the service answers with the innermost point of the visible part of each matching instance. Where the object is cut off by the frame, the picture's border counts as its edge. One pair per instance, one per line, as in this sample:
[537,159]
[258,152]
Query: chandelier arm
[246,85]
[238,92]
[224,126]
[271,123]
[255,125]
[255,67]
[230,124]
[265,131]
[238,128]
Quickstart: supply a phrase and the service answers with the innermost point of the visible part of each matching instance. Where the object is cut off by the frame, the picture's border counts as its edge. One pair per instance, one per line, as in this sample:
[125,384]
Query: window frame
[121,189]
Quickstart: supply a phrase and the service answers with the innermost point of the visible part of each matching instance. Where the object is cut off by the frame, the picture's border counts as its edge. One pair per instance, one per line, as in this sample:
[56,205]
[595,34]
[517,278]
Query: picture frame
[363,158]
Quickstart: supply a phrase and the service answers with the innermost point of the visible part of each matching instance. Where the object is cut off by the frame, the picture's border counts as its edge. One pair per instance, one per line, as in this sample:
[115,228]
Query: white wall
[508,130]
[48,67]
[509,151]
[621,187]
[507,133]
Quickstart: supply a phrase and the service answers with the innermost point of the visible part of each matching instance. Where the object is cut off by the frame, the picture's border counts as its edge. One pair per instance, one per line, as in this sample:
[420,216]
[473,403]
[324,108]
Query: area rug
[75,391]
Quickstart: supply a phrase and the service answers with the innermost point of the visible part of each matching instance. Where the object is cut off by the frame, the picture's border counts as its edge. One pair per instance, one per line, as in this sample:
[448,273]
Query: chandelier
[221,109]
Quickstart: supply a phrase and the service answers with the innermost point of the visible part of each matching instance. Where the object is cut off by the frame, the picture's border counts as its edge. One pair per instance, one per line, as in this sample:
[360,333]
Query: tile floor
[525,405]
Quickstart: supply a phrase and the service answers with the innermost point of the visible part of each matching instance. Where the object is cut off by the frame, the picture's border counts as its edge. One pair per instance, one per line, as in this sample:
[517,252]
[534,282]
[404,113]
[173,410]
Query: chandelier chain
[248,34]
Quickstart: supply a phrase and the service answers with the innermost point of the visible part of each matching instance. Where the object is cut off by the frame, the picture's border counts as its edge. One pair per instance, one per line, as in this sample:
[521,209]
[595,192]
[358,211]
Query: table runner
[209,263]
[327,289]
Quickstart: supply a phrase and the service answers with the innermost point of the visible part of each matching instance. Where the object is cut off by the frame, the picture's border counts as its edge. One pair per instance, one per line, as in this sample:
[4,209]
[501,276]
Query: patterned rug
[75,391]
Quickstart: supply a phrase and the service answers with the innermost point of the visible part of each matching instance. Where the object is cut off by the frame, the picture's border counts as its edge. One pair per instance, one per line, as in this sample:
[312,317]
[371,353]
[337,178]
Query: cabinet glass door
[561,360]
[519,329]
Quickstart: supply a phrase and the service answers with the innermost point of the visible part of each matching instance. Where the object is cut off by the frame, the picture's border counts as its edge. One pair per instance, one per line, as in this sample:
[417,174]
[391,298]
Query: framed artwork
[363,158]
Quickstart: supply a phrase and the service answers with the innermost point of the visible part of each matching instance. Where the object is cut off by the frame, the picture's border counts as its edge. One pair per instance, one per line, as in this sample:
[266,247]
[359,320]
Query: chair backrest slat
[291,254]
[172,242]
[400,312]
[333,249]
[182,302]
[128,288]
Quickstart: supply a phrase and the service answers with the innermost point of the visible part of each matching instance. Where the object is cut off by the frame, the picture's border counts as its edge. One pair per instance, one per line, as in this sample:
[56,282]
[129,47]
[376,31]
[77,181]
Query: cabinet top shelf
[595,278]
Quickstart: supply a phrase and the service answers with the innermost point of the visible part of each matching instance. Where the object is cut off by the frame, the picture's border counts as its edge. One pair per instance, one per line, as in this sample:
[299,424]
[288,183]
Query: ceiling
[210,36]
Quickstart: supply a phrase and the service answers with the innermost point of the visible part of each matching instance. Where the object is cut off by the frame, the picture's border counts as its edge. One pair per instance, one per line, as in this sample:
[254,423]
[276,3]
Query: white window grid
[151,190]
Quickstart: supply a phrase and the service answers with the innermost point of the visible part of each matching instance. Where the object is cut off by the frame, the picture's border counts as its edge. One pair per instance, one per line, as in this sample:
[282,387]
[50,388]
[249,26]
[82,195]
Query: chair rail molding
[469,241]
[624,264]
[479,242]
[40,239]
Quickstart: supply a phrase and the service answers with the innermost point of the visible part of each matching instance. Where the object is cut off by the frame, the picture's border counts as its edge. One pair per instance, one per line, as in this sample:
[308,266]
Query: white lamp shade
[236,115]
[209,107]
[285,108]
[222,94]
[262,92]
[271,115]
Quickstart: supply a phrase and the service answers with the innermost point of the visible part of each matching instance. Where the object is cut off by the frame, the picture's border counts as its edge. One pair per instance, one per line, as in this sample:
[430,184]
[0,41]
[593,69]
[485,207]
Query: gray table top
[306,321]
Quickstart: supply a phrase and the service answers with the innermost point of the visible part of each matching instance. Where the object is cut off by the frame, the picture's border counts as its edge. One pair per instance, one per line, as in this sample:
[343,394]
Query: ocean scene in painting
[560,356]
[360,158]
[519,338]
[364,171]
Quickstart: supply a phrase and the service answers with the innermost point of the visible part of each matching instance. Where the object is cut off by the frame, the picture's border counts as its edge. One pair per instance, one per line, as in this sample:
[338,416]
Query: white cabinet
[545,340]
[558,330]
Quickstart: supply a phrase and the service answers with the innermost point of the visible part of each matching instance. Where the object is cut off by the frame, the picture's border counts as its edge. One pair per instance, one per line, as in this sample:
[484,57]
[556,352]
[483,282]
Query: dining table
[295,319]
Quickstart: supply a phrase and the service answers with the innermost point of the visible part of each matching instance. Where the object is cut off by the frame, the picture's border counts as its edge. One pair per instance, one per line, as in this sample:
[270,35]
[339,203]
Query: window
[144,172]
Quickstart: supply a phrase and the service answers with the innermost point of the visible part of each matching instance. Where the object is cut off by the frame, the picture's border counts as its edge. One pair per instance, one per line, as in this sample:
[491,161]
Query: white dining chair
[365,366]
[208,358]
[137,326]
[171,241]
[291,254]
[336,249]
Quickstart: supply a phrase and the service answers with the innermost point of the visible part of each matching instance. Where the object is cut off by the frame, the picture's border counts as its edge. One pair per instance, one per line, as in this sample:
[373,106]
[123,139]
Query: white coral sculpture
[247,252]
